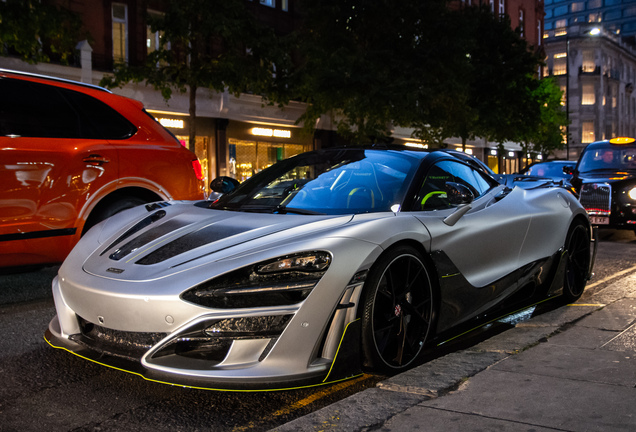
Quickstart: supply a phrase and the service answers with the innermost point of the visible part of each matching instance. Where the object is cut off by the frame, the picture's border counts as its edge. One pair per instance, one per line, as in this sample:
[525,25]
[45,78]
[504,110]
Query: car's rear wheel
[398,310]
[577,256]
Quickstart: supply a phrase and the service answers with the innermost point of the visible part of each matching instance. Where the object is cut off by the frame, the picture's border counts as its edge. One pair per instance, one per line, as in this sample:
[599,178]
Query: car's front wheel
[577,256]
[398,310]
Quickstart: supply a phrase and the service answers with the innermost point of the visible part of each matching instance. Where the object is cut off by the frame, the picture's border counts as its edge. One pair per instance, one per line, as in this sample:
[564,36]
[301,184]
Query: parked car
[321,266]
[511,180]
[555,169]
[73,154]
[605,178]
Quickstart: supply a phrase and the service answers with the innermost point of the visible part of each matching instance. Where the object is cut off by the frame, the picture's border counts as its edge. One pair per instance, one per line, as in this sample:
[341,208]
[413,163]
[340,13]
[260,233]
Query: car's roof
[18,74]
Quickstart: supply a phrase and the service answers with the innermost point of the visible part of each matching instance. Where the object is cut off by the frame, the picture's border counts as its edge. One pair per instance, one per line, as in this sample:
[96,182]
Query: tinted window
[432,195]
[30,109]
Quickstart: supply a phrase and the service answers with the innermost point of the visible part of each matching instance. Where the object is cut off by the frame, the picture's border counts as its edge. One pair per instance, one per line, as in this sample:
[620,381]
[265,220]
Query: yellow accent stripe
[202,388]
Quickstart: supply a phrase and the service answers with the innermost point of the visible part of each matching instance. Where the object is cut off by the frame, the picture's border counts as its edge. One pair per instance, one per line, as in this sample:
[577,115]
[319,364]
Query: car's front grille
[596,198]
[128,345]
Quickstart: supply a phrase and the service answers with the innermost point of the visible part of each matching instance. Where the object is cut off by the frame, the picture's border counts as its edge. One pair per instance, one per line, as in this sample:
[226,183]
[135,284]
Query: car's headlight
[632,193]
[281,281]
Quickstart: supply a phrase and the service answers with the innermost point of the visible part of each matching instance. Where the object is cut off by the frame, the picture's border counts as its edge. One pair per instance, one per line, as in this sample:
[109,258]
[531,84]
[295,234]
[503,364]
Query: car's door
[51,163]
[477,250]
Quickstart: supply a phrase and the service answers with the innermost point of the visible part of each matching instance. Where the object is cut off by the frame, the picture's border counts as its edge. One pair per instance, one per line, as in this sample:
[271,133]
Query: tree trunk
[193,117]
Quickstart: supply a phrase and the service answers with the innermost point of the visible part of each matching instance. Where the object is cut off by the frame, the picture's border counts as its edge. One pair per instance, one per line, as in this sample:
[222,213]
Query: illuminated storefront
[252,148]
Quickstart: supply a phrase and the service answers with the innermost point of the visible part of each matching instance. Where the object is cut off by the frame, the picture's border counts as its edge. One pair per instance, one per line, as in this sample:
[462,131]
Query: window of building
[250,157]
[521,23]
[594,17]
[578,6]
[587,133]
[589,65]
[612,15]
[153,39]
[560,10]
[284,5]
[561,27]
[502,8]
[270,3]
[560,64]
[120,32]
[630,11]
[589,96]
[593,4]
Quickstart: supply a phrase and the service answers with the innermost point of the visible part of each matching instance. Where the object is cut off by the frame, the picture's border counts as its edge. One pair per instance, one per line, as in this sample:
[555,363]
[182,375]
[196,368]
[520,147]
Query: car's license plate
[599,220]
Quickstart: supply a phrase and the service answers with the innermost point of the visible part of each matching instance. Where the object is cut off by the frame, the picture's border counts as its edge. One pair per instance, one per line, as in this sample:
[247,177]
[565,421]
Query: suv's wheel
[110,208]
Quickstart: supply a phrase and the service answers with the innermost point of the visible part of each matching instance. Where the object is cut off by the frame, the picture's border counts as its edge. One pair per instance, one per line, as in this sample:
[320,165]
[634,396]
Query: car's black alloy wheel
[577,250]
[397,310]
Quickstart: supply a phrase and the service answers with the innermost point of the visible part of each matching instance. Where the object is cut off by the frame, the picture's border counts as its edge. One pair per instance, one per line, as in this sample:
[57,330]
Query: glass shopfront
[252,148]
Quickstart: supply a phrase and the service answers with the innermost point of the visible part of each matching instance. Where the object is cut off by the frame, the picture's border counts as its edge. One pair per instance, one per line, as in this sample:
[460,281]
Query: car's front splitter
[345,366]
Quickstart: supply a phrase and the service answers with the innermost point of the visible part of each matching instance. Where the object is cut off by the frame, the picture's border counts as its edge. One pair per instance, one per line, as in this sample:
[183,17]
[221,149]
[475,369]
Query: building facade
[596,70]
[241,136]
[617,17]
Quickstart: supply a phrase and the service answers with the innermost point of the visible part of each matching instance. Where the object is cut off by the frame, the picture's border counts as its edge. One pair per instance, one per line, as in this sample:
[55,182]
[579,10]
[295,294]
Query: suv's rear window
[29,109]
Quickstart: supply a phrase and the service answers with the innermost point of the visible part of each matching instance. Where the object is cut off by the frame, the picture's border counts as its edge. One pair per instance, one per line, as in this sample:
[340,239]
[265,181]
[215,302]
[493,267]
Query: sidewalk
[571,369]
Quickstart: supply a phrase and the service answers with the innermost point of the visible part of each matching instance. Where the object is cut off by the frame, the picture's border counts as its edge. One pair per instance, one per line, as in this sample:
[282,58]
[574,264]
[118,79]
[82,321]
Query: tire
[398,310]
[577,256]
[110,208]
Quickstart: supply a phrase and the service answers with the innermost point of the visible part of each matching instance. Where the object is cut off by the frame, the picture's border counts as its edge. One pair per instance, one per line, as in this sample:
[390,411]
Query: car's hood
[608,176]
[176,237]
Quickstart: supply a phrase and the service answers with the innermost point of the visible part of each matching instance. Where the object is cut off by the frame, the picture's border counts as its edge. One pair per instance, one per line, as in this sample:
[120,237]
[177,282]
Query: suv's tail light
[198,171]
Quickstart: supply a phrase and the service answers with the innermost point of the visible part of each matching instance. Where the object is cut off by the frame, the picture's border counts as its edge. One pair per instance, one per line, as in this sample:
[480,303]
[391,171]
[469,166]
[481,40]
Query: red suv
[73,154]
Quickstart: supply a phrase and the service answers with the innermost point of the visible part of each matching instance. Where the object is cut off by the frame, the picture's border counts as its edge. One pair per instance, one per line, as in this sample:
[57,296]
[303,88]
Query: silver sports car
[318,268]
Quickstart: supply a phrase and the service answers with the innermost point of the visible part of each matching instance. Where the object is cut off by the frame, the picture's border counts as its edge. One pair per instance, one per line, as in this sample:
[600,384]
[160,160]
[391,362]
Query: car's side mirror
[458,193]
[223,184]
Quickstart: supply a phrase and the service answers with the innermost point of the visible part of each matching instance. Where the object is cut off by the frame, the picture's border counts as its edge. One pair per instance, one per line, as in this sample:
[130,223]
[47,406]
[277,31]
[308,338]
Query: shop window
[249,157]
[120,32]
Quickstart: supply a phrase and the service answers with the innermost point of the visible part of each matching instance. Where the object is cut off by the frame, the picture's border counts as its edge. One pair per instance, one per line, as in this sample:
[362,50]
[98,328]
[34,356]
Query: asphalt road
[48,389]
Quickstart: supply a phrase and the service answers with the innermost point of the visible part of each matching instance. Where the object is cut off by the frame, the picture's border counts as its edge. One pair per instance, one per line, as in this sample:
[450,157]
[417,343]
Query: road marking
[615,275]
[319,395]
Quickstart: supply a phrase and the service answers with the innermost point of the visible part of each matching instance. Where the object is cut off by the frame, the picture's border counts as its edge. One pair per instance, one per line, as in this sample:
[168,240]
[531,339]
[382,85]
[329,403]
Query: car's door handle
[96,160]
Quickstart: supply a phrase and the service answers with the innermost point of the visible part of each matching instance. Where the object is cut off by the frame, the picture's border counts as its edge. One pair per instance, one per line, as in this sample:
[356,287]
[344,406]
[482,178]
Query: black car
[605,179]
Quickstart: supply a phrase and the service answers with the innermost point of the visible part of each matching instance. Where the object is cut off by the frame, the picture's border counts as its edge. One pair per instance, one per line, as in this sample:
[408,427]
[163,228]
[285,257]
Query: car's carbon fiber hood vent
[177,237]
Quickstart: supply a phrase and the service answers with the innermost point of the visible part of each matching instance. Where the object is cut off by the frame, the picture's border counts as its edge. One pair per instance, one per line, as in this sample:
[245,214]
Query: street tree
[549,136]
[213,44]
[37,31]
[364,63]
[496,98]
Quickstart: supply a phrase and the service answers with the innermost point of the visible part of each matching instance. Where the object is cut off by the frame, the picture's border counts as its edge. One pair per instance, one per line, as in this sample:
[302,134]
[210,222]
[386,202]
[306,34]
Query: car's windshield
[614,158]
[326,182]
[548,169]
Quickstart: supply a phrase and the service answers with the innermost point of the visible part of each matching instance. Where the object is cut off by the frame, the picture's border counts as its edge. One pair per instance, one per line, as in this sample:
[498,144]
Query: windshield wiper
[284,210]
